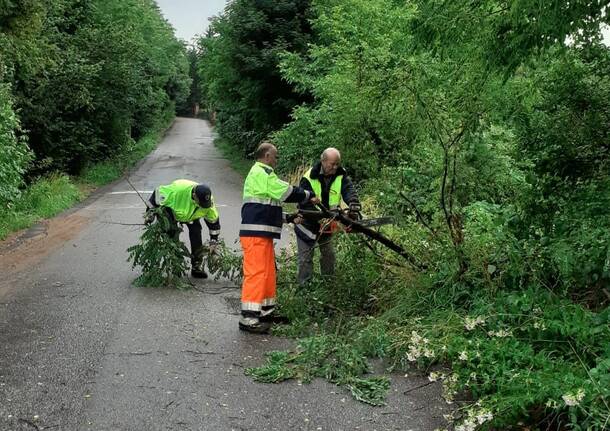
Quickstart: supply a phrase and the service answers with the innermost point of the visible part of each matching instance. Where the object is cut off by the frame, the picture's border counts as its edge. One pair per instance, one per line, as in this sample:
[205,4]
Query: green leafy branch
[160,254]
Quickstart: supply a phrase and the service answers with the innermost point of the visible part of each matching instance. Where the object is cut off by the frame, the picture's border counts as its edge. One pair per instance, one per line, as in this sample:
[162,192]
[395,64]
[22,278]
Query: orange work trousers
[258,288]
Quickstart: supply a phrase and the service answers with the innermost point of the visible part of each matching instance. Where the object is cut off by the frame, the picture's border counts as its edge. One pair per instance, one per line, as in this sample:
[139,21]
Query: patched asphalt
[83,350]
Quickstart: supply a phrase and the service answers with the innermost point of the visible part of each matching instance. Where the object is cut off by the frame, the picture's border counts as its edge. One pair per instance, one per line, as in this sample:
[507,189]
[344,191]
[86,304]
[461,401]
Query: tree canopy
[485,128]
[86,77]
[239,66]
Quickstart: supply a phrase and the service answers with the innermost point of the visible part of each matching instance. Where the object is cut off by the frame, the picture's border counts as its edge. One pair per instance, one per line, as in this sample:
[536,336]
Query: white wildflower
[434,376]
[412,356]
[501,333]
[415,338]
[418,347]
[573,399]
[475,418]
[569,400]
[484,416]
[539,325]
[463,356]
[468,425]
[470,323]
[428,353]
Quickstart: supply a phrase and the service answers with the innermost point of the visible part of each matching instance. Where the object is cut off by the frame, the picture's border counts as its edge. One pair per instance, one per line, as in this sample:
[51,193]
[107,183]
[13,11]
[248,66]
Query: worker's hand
[214,247]
[149,217]
[315,200]
[354,211]
[295,218]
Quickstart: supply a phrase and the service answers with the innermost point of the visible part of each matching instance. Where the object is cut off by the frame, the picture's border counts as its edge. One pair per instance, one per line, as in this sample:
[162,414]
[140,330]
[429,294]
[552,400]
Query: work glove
[294,218]
[214,246]
[354,211]
[149,217]
[313,199]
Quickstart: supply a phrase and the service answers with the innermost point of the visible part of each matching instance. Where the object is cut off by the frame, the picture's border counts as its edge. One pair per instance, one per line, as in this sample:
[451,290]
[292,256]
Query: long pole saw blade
[138,193]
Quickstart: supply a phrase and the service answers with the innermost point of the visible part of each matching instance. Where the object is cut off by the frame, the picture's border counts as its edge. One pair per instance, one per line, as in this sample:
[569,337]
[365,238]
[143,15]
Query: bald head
[330,152]
[266,153]
[331,160]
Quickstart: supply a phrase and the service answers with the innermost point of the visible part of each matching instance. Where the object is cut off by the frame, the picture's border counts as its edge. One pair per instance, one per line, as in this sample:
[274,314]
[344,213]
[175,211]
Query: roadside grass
[56,192]
[43,199]
[234,155]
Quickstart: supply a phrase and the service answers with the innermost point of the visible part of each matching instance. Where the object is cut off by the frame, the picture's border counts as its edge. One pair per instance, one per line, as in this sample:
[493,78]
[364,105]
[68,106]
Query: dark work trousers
[196,241]
[305,256]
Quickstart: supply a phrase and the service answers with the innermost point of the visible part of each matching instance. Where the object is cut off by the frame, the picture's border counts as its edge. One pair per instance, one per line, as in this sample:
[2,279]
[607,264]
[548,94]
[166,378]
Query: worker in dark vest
[329,181]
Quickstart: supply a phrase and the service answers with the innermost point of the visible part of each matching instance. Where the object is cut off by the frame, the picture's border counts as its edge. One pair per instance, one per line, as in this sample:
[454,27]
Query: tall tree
[239,58]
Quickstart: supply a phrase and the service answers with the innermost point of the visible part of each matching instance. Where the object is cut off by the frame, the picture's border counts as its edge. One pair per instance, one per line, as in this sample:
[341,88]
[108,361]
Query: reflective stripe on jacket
[264,192]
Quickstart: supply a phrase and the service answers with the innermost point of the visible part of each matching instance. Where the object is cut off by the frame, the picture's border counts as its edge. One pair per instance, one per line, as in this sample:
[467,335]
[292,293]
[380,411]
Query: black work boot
[197,270]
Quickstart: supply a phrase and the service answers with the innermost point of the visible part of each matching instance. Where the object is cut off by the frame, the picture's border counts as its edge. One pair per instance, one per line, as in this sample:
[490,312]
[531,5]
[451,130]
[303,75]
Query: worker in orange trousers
[261,223]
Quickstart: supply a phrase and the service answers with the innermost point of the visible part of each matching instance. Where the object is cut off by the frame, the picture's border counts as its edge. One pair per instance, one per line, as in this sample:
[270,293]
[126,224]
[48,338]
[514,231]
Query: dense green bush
[14,153]
[88,85]
[566,138]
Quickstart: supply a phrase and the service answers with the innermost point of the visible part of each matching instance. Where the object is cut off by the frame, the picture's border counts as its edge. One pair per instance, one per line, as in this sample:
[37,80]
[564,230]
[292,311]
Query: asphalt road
[80,349]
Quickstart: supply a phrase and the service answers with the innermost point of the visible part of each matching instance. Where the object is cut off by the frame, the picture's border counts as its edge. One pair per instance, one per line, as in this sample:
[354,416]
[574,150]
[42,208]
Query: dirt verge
[26,248]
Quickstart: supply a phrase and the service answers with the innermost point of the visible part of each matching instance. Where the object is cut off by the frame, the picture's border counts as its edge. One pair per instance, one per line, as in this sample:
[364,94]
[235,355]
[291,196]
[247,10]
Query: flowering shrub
[530,358]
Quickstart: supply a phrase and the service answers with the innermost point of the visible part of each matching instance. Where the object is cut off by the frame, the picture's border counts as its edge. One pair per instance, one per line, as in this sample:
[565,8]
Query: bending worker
[186,202]
[261,223]
[329,181]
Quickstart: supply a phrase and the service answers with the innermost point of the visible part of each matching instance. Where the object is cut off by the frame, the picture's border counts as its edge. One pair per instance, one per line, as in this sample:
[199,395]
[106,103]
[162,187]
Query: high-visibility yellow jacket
[178,197]
[331,191]
[264,192]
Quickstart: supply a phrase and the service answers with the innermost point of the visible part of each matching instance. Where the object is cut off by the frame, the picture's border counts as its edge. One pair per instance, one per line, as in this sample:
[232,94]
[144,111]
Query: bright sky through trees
[190,17]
